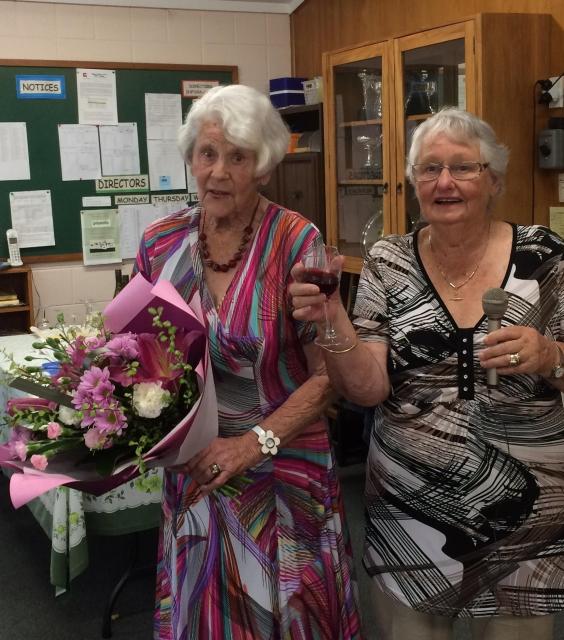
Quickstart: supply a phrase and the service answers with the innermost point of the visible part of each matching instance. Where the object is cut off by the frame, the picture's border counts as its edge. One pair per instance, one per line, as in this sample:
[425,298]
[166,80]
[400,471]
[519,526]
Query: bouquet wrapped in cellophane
[114,399]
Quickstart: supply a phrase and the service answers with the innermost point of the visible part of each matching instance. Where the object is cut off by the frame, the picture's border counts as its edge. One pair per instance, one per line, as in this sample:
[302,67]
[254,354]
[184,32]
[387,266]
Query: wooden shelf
[17,318]
[301,108]
[419,117]
[371,181]
[14,308]
[360,123]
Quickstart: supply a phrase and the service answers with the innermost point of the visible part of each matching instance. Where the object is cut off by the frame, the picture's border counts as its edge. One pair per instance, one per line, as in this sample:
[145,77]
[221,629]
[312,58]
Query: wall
[258,43]
[325,25]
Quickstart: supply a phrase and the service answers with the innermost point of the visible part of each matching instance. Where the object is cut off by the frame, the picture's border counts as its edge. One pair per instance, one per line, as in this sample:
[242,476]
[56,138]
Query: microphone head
[494,302]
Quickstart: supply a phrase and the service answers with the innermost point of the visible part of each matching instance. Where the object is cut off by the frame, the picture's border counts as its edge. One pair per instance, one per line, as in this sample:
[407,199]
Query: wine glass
[323,269]
[372,232]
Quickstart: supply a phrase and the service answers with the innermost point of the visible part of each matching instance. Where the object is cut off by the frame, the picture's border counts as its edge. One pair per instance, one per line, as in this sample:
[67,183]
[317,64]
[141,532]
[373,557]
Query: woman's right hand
[306,298]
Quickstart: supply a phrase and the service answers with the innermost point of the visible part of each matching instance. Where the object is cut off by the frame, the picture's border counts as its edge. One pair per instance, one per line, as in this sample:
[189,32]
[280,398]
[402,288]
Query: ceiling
[261,6]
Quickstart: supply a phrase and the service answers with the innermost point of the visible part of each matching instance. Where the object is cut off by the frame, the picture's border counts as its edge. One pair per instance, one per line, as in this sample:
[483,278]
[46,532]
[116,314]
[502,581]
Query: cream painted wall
[258,43]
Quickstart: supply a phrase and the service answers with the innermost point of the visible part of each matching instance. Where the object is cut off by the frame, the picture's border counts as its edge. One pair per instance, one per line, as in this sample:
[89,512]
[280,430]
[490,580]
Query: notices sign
[197,88]
[40,87]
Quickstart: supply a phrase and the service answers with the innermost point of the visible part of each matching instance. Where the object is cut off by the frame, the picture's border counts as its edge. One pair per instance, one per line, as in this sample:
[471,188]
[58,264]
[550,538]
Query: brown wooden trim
[121,65]
[62,257]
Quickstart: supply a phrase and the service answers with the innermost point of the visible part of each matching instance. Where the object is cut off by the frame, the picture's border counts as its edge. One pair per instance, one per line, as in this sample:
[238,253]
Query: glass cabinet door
[432,76]
[357,146]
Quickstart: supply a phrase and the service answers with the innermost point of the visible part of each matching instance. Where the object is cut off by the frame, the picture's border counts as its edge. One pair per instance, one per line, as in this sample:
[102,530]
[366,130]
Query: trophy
[371,96]
[371,167]
[421,98]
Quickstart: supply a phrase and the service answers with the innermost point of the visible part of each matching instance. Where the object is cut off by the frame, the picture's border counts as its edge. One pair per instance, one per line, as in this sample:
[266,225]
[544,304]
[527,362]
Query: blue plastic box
[285,92]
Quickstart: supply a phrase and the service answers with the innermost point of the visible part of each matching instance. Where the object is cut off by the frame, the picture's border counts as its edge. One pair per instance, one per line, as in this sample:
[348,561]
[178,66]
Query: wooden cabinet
[298,185]
[377,94]
[16,317]
[298,181]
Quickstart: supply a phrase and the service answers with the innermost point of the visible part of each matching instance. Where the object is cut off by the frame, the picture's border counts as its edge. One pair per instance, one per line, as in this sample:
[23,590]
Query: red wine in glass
[325,280]
[322,270]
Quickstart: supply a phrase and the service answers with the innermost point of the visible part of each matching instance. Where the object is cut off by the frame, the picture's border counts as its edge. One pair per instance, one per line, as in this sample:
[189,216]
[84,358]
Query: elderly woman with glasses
[465,476]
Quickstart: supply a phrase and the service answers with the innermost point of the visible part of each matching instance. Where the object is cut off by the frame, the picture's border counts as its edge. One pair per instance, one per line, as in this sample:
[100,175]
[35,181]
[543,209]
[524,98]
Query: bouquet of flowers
[130,392]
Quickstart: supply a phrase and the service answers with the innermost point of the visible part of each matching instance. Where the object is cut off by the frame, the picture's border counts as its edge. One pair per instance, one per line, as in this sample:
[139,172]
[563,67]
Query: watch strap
[268,441]
[558,368]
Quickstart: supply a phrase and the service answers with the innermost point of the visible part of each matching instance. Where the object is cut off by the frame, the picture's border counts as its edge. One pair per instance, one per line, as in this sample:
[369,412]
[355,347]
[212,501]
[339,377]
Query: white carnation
[68,416]
[149,399]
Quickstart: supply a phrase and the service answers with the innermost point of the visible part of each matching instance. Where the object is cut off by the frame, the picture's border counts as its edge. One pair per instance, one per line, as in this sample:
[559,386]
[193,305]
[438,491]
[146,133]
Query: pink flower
[20,449]
[39,462]
[17,444]
[94,386]
[110,419]
[93,439]
[77,352]
[156,361]
[123,346]
[54,430]
[94,342]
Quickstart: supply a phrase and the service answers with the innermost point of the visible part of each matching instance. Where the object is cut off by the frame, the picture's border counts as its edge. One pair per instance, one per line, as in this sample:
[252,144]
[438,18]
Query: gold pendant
[456,297]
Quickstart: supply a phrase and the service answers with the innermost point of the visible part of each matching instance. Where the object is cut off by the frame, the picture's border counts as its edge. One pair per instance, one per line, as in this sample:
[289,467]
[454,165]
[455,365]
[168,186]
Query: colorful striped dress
[275,562]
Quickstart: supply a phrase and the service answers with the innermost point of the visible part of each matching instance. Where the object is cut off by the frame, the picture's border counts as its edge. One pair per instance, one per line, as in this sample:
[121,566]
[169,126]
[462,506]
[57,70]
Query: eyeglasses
[429,171]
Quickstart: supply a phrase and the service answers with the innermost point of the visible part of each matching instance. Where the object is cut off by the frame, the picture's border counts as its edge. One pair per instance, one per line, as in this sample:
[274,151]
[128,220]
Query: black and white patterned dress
[465,485]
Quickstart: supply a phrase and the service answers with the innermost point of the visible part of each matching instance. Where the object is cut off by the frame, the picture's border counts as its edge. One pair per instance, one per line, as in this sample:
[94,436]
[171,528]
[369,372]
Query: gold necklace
[456,295]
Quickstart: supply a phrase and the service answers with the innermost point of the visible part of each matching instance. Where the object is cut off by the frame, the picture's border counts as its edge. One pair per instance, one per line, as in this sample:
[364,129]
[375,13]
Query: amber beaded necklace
[230,264]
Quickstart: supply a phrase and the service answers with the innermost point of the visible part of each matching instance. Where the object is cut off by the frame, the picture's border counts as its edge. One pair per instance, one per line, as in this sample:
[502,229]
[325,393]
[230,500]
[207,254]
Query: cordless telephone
[15,259]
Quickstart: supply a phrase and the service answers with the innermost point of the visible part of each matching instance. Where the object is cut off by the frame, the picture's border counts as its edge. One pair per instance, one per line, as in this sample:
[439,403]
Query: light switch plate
[556,220]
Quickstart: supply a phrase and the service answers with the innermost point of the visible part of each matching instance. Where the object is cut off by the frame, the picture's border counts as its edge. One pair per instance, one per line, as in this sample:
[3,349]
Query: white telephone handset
[15,259]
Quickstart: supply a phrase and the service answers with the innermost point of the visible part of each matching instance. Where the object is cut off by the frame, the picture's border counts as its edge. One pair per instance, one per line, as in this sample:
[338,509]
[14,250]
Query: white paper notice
[119,145]
[163,115]
[132,222]
[100,236]
[96,201]
[14,157]
[80,152]
[166,167]
[97,96]
[32,217]
[192,185]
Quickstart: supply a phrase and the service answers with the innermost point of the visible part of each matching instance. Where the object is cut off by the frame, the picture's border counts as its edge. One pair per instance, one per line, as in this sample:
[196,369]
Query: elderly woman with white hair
[465,475]
[253,543]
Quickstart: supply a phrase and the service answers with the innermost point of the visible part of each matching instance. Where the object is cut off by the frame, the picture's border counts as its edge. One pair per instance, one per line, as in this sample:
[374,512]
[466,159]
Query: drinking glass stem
[330,333]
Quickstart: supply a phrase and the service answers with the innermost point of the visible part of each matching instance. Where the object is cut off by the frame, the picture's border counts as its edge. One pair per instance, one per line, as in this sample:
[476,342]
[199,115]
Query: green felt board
[42,118]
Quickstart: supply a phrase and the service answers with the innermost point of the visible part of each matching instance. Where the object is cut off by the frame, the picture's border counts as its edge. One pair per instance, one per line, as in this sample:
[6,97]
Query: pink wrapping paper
[127,312]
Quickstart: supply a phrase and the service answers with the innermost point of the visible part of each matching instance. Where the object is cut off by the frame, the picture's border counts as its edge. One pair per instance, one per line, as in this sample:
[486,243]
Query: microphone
[494,304]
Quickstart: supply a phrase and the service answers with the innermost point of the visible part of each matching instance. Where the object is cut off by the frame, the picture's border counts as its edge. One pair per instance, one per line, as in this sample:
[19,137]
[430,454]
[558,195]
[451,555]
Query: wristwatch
[269,441]
[558,369]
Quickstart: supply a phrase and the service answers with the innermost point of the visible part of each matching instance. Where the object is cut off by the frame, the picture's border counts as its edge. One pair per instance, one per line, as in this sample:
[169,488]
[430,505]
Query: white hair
[248,120]
[463,127]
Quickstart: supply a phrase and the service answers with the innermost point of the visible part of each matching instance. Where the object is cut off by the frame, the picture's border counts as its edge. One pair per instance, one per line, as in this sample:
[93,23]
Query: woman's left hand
[518,350]
[221,460]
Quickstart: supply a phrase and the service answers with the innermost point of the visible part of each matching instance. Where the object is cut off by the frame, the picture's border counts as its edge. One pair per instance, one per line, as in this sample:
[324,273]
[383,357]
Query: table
[67,515]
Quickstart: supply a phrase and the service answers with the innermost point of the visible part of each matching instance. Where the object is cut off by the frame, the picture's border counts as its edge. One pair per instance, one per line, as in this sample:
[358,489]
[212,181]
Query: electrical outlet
[557,93]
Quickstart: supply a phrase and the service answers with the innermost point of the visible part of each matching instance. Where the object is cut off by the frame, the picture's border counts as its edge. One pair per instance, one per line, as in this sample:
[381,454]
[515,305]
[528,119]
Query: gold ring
[514,359]
[215,469]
